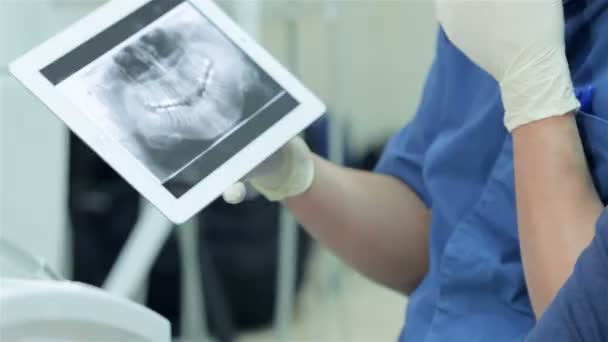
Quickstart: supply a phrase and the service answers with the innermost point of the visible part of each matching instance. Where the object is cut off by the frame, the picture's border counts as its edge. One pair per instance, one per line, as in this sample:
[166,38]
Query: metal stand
[194,318]
[288,244]
[139,253]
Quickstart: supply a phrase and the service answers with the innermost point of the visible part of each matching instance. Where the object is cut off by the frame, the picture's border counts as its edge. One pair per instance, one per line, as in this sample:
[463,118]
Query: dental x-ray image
[172,92]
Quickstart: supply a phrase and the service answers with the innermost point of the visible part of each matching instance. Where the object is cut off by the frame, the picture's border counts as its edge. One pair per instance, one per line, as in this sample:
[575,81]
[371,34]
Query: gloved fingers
[287,172]
[269,165]
[235,194]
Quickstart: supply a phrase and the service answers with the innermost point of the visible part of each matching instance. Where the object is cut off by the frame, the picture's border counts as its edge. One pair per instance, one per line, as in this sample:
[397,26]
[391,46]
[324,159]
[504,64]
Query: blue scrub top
[579,312]
[458,157]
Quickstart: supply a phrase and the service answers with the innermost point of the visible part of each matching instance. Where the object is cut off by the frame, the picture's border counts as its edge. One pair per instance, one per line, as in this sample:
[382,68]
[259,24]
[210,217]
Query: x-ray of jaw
[182,87]
[176,90]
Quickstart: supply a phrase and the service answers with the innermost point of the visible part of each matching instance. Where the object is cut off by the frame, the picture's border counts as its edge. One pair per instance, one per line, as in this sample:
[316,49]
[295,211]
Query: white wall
[34,143]
[385,49]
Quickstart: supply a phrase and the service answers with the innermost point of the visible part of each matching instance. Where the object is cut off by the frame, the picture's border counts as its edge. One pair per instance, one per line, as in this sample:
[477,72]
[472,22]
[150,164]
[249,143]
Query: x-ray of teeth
[173,92]
[163,94]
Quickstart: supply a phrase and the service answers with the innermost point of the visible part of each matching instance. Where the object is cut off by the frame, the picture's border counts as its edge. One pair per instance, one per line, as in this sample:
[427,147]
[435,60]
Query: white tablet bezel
[27,69]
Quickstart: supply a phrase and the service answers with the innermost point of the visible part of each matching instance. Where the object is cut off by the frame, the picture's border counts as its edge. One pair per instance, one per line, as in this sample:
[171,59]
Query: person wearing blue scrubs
[467,193]
[579,313]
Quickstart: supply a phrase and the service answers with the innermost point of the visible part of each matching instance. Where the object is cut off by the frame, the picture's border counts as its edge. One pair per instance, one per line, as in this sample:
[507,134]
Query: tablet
[172,94]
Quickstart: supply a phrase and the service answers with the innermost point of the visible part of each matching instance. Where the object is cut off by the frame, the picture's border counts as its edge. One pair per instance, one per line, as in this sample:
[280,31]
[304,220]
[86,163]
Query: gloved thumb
[235,194]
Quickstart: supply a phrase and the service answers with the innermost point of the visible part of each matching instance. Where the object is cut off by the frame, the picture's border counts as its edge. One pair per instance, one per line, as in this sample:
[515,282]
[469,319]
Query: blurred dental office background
[367,59]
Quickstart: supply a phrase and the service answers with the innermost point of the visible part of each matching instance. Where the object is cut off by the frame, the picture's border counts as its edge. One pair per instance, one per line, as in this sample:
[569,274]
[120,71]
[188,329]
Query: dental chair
[38,305]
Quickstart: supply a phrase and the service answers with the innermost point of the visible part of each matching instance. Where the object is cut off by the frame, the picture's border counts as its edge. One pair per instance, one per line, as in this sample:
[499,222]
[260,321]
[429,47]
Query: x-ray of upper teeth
[174,91]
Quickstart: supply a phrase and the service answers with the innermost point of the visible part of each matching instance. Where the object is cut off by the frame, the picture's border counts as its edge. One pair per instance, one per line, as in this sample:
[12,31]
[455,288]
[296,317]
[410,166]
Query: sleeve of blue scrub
[579,313]
[404,154]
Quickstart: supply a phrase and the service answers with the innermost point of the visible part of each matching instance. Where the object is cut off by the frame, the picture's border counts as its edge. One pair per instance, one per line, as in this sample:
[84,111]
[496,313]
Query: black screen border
[72,62]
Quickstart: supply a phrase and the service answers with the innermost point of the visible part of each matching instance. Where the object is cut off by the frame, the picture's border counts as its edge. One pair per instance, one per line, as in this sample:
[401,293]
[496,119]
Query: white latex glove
[288,172]
[521,44]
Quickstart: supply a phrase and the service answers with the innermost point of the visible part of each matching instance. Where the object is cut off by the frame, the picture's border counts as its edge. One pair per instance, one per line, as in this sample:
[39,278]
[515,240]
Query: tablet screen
[172,89]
